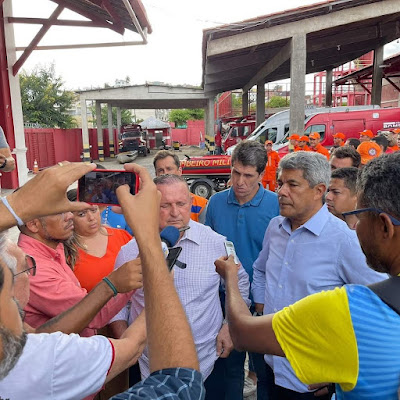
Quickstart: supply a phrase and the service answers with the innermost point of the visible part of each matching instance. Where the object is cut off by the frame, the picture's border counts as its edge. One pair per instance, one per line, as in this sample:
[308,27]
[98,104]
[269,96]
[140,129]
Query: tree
[44,101]
[181,116]
[277,101]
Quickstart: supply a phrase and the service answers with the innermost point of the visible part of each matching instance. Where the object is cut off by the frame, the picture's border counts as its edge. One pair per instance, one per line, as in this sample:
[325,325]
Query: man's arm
[247,332]
[88,311]
[7,160]
[45,194]
[170,339]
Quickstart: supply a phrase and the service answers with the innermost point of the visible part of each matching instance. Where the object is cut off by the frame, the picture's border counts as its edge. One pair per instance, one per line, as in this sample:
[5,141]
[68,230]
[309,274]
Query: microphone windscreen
[170,235]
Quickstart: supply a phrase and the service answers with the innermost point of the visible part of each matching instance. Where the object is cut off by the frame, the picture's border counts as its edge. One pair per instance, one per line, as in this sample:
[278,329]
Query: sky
[174,51]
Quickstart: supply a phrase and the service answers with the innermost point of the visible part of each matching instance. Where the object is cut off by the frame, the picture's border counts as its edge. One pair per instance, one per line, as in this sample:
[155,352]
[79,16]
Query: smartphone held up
[99,186]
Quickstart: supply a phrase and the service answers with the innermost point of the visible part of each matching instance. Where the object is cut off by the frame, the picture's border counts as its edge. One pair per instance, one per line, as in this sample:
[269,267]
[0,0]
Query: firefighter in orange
[293,142]
[303,144]
[316,146]
[269,178]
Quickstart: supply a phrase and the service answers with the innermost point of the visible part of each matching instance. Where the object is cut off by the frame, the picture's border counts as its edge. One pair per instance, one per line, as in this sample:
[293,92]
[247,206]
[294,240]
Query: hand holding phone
[99,186]
[230,250]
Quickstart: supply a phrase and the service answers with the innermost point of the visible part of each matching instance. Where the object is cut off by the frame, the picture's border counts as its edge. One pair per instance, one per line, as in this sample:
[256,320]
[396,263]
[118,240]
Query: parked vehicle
[205,174]
[133,138]
[236,131]
[350,123]
[276,127]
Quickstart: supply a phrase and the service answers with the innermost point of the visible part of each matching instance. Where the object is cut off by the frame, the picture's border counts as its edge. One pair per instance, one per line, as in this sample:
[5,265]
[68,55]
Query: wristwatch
[4,163]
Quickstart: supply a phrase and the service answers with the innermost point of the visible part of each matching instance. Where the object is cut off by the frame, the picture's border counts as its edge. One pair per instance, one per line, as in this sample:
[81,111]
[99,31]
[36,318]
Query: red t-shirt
[90,270]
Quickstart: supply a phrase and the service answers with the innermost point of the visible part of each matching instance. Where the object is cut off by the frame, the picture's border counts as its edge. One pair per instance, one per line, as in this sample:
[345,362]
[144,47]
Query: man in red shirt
[316,146]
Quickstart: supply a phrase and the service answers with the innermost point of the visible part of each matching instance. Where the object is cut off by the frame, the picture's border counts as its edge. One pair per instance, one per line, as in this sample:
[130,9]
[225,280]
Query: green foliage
[181,116]
[277,101]
[44,101]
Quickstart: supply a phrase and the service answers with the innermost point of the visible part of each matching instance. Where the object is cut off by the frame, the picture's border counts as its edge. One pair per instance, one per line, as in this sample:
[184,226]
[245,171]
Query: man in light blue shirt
[305,250]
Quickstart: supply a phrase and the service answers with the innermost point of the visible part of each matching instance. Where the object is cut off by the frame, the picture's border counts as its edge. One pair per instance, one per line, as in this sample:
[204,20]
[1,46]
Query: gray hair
[250,153]
[315,166]
[169,179]
[378,184]
[8,260]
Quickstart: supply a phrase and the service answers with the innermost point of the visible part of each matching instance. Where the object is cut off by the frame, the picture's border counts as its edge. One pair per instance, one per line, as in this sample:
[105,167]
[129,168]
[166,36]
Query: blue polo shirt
[245,224]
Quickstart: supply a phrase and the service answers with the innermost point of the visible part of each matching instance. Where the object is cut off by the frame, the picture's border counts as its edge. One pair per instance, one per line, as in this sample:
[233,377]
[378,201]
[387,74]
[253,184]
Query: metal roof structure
[154,123]
[116,15]
[239,55]
[390,69]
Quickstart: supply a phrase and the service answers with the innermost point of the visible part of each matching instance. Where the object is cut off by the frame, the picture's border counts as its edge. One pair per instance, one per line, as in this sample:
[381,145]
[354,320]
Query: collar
[191,234]
[315,224]
[255,201]
[29,243]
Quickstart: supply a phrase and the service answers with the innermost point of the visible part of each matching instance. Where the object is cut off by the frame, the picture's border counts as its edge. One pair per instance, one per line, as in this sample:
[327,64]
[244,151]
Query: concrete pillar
[209,125]
[328,87]
[376,95]
[119,124]
[110,130]
[99,131]
[245,103]
[16,106]
[297,83]
[85,131]
[260,111]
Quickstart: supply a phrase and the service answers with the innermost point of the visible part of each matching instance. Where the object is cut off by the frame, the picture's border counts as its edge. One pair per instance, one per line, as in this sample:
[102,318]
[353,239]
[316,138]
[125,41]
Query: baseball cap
[368,151]
[268,142]
[367,132]
[315,135]
[304,139]
[294,137]
[397,130]
[340,135]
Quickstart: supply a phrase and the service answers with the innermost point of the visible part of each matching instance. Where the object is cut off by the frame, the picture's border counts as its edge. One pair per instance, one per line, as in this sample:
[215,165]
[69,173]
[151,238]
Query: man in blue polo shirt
[242,214]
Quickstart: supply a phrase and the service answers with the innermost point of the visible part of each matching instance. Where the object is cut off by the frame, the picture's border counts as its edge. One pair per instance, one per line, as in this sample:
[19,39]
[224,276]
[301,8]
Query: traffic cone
[35,167]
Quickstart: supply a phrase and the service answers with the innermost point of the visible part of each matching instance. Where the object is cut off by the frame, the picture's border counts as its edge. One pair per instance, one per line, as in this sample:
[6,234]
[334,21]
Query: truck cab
[133,138]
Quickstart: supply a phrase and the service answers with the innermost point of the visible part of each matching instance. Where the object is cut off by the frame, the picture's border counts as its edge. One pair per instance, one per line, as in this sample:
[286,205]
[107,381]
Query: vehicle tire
[202,189]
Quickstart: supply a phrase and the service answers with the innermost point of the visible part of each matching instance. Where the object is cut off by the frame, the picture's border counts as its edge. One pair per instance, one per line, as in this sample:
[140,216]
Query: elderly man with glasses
[348,335]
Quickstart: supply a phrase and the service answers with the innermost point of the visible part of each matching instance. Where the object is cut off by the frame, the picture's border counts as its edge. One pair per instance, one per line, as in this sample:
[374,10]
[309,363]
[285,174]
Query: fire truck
[133,138]
[206,174]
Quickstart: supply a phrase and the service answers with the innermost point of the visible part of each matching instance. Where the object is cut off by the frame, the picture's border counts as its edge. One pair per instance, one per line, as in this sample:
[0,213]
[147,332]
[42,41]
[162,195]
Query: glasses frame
[395,221]
[31,270]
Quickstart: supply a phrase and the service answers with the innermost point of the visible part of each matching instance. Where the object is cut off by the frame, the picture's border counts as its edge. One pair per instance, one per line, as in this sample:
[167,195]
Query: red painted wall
[191,135]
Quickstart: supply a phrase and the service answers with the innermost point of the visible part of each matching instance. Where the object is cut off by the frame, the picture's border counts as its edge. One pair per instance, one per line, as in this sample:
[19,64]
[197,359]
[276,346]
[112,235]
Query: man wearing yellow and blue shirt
[347,335]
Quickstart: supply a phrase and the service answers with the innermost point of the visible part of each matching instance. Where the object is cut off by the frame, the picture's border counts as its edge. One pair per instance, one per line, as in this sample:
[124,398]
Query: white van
[276,127]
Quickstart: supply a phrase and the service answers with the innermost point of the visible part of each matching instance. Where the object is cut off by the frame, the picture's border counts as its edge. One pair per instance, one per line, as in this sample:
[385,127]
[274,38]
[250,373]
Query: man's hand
[45,194]
[322,389]
[142,210]
[127,277]
[224,342]
[225,266]
[259,308]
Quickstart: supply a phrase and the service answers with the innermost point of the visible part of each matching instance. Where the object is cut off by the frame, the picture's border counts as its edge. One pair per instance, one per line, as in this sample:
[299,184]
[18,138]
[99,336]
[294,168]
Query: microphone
[169,237]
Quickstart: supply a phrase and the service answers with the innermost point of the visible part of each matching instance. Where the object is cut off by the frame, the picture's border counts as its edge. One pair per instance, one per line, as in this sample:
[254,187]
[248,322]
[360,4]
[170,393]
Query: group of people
[304,304]
[368,146]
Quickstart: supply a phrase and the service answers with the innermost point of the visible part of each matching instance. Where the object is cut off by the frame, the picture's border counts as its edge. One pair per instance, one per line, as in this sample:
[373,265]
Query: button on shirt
[320,255]
[245,224]
[198,289]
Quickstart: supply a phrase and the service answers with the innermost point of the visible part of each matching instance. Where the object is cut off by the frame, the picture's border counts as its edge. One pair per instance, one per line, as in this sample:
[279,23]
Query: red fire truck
[206,174]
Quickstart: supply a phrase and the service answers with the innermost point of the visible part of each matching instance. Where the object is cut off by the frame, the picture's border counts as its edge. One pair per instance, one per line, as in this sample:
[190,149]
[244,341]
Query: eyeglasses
[345,215]
[31,266]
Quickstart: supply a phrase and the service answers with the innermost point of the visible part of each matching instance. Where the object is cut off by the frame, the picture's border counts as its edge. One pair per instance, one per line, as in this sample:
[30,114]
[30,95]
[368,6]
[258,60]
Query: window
[316,128]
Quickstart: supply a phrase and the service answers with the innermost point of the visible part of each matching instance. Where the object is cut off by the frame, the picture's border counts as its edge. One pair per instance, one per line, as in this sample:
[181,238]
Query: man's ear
[386,226]
[320,190]
[34,225]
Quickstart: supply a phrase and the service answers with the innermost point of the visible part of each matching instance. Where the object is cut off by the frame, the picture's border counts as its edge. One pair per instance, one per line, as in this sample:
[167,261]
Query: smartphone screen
[99,186]
[230,250]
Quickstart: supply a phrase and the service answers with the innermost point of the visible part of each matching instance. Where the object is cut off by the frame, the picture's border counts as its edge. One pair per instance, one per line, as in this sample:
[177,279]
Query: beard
[12,350]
